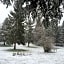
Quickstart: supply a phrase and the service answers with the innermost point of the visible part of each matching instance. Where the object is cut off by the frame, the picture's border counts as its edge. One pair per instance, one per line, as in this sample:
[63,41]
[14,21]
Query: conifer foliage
[46,12]
[16,31]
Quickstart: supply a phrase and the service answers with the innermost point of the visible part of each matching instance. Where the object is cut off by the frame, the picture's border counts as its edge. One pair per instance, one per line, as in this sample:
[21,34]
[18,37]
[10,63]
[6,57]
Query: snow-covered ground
[33,56]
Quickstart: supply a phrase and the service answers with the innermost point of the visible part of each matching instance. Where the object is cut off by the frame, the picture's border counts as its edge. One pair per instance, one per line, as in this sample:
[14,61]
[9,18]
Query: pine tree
[29,31]
[60,35]
[4,30]
[49,10]
[7,29]
[18,25]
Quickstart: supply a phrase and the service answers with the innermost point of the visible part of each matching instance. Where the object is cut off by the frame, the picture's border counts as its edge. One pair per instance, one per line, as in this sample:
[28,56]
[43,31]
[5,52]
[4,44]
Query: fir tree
[29,31]
[18,25]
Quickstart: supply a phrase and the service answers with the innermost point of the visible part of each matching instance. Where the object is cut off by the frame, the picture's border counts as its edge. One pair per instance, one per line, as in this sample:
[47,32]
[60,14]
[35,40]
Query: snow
[33,56]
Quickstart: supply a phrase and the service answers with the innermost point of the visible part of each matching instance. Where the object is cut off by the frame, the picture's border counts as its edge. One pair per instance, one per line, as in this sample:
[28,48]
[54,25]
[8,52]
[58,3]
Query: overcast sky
[4,13]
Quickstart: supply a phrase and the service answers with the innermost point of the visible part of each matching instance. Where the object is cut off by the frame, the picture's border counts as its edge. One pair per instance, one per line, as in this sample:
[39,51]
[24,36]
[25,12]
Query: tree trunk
[4,43]
[28,44]
[14,46]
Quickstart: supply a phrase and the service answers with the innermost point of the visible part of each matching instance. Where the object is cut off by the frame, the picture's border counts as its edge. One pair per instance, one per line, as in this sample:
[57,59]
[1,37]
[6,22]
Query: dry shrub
[44,37]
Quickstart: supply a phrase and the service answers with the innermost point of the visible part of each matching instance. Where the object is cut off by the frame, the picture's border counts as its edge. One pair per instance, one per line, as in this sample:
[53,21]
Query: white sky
[63,15]
[61,20]
[4,12]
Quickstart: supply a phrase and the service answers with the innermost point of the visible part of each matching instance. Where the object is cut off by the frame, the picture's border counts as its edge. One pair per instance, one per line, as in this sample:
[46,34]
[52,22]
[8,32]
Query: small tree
[60,35]
[4,29]
[29,31]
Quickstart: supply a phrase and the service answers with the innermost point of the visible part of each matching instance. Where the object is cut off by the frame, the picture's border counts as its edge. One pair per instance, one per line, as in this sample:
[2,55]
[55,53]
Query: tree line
[36,22]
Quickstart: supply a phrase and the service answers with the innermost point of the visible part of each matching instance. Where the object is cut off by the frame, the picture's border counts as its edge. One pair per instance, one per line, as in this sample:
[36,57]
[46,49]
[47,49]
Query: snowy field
[33,56]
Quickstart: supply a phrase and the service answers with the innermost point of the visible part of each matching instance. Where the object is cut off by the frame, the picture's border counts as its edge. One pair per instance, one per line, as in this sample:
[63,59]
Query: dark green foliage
[60,35]
[18,28]
[29,33]
[15,25]
[29,30]
[49,8]
[4,30]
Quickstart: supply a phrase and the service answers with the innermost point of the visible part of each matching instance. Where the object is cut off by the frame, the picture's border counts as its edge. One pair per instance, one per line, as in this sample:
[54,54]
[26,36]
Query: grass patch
[17,50]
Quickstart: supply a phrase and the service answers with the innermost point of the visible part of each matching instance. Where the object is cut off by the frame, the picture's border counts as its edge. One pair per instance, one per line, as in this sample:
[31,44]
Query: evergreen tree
[7,30]
[49,10]
[29,30]
[18,25]
[60,35]
[4,29]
